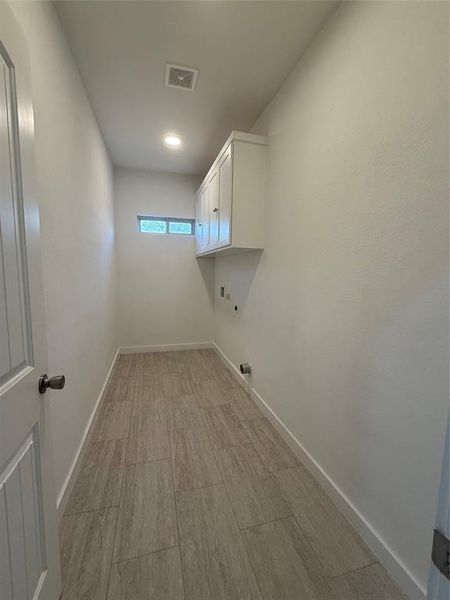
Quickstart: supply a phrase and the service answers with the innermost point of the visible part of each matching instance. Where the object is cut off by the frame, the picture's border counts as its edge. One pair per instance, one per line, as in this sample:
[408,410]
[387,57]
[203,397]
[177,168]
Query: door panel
[225,195]
[14,308]
[214,210]
[22,525]
[29,559]
[439,585]
[205,217]
[198,224]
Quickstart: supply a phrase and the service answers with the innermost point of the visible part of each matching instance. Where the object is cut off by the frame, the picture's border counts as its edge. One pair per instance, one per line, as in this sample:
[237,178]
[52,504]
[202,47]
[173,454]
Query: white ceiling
[243,50]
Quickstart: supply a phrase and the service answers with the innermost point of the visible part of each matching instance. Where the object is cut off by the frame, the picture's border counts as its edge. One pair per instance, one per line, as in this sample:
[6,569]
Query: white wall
[75,193]
[344,316]
[164,293]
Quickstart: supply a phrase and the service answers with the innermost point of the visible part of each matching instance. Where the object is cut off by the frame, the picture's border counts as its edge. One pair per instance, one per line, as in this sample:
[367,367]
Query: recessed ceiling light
[172,140]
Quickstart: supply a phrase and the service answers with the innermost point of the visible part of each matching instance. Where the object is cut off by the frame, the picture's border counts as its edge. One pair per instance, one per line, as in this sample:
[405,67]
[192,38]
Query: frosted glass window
[183,228]
[152,226]
[166,225]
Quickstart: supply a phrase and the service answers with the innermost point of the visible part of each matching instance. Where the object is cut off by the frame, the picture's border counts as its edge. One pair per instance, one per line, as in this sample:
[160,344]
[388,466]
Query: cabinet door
[225,195]
[198,223]
[205,218]
[214,207]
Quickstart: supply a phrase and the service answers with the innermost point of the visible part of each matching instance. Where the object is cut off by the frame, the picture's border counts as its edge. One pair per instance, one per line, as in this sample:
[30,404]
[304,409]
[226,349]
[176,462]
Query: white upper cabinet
[199,225]
[214,202]
[225,197]
[230,200]
[202,220]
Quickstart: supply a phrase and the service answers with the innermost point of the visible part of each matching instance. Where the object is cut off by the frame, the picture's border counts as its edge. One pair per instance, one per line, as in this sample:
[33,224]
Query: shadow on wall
[236,273]
[206,267]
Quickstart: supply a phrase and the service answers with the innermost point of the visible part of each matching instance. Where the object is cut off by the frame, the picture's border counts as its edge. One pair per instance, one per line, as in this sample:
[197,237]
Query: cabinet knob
[215,210]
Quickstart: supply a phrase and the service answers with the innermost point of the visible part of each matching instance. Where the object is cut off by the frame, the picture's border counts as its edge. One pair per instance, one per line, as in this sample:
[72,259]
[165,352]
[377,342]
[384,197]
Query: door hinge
[441,553]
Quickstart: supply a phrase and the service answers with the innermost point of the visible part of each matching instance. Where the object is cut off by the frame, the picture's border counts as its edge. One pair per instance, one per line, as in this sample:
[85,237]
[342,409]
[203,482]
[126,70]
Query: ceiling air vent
[181,77]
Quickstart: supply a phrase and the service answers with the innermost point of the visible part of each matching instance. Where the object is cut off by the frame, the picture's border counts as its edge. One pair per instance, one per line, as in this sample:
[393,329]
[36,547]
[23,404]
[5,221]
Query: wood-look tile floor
[187,492]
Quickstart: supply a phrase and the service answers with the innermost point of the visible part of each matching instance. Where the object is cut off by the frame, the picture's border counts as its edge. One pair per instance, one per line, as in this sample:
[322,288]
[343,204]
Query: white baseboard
[66,487]
[393,564]
[165,347]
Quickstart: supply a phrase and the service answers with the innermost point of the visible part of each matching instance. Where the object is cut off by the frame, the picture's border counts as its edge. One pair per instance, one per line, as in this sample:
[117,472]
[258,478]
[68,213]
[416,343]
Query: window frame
[167,221]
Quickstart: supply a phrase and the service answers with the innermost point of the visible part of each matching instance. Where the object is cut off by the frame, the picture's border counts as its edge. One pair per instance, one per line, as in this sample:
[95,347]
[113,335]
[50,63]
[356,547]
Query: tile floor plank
[214,559]
[146,400]
[193,461]
[100,478]
[183,412]
[149,438]
[147,521]
[253,493]
[125,365]
[225,379]
[154,576]
[154,382]
[280,555]
[323,524]
[207,393]
[142,358]
[195,366]
[169,362]
[242,403]
[175,385]
[113,421]
[272,449]
[223,427]
[368,583]
[86,548]
[121,390]
[219,371]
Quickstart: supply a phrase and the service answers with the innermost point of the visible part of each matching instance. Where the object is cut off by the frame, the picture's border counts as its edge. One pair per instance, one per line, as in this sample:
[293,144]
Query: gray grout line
[374,562]
[124,560]
[120,495]
[149,460]
[266,522]
[112,551]
[200,487]
[242,537]
[86,512]
[178,523]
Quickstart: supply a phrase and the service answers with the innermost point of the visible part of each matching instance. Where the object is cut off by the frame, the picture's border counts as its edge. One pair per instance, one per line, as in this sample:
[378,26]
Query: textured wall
[75,189]
[344,316]
[164,293]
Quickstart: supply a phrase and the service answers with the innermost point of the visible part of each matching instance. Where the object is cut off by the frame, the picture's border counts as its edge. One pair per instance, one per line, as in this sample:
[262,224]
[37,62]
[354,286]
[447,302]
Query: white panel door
[214,208]
[29,553]
[225,197]
[439,585]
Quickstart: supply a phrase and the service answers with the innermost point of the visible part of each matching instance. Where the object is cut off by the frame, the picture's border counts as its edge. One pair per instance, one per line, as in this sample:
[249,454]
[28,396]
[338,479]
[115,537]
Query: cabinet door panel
[214,210]
[225,196]
[198,224]
[205,217]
